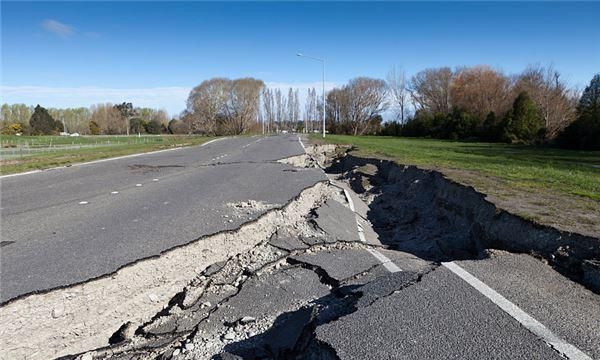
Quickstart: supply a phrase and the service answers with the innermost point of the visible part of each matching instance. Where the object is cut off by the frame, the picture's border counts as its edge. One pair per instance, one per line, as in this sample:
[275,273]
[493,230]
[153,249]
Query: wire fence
[15,147]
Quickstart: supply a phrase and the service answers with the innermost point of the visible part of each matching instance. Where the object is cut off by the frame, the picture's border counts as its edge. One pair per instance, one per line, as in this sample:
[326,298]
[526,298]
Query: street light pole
[323,64]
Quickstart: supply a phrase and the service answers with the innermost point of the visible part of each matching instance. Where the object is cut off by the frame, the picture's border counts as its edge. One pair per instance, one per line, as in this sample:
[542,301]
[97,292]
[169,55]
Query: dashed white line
[83,203]
[138,185]
[114,192]
[558,344]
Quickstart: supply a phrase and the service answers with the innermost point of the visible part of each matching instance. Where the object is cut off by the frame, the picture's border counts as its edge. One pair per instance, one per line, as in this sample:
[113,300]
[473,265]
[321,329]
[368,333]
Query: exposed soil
[424,213]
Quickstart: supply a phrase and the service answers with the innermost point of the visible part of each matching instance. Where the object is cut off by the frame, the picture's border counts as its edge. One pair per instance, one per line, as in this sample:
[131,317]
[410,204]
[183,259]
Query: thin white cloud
[58,28]
[170,98]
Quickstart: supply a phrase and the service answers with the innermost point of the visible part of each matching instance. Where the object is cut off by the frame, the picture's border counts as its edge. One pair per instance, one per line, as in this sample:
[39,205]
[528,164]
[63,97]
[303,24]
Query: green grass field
[24,153]
[564,171]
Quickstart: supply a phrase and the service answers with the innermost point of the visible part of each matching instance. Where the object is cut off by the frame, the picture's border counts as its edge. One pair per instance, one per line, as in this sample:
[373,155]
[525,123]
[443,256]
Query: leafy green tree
[137,125]
[524,120]
[42,123]
[153,127]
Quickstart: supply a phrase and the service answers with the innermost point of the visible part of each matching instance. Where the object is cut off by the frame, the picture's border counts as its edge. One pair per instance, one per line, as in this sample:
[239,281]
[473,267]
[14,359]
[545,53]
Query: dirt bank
[424,213]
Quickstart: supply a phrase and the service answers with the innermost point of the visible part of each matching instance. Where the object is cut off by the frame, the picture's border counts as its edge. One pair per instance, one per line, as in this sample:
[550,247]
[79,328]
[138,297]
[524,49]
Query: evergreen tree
[590,99]
[42,123]
[524,120]
[584,132]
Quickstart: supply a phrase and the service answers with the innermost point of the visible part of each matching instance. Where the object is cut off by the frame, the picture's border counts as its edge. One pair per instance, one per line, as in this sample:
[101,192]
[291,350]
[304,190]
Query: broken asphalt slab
[439,317]
[338,265]
[338,221]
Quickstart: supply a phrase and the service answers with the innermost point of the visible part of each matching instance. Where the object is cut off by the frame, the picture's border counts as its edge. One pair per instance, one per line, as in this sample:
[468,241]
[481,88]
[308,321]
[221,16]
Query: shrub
[94,128]
[177,127]
[13,129]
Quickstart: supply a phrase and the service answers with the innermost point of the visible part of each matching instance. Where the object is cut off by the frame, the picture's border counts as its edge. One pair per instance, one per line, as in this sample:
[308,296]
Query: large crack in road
[312,280]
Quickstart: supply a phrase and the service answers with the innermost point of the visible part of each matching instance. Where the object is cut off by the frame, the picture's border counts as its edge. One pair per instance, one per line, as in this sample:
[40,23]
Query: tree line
[99,119]
[535,106]
[479,103]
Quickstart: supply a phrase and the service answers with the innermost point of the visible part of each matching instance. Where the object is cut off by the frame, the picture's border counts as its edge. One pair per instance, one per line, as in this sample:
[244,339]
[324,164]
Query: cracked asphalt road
[313,289]
[68,225]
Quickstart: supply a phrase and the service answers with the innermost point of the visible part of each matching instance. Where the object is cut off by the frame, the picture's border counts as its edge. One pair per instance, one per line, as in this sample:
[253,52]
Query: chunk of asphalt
[188,318]
[227,356]
[317,240]
[214,268]
[338,264]
[337,221]
[384,286]
[285,287]
[439,317]
[284,336]
[287,242]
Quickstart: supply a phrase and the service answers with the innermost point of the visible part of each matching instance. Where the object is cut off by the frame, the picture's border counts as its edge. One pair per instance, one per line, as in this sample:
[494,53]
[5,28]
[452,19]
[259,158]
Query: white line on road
[558,344]
[385,261]
[301,143]
[104,160]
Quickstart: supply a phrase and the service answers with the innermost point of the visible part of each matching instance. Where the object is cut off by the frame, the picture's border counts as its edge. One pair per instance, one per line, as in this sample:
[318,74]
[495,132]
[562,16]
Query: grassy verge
[24,153]
[561,187]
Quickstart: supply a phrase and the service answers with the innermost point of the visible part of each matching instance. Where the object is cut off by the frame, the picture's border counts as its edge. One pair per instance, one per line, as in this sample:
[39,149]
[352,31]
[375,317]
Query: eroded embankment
[84,316]
[424,213]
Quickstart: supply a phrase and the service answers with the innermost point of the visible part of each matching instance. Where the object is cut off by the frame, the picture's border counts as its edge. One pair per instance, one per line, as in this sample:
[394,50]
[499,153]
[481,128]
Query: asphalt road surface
[68,225]
[336,294]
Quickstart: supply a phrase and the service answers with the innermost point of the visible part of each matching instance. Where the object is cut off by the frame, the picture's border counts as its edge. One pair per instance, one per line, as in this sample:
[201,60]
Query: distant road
[68,225]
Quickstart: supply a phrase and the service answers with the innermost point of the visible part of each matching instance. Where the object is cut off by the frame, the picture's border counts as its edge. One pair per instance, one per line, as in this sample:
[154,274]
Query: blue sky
[79,53]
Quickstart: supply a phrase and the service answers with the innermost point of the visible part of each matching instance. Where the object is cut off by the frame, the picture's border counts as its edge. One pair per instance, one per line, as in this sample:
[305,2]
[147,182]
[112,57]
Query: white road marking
[558,344]
[114,192]
[103,160]
[83,203]
[385,261]
[212,141]
[19,174]
[350,202]
[154,179]
[301,143]
[138,185]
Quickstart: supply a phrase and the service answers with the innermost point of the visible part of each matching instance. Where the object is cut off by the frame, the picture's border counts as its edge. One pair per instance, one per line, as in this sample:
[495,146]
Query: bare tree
[268,108]
[430,90]
[337,111]
[556,102]
[206,103]
[243,105]
[398,91]
[108,119]
[295,108]
[366,99]
[280,108]
[481,90]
